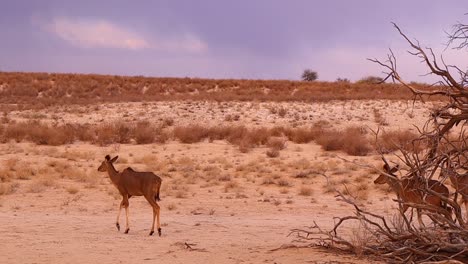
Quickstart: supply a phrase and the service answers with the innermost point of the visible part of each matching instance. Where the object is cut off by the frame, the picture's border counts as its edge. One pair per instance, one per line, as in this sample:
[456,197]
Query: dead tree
[445,156]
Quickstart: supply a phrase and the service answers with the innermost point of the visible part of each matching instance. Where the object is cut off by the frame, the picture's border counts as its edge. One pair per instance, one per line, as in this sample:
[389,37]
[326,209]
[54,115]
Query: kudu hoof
[159,231]
[118,226]
[151,233]
[126,231]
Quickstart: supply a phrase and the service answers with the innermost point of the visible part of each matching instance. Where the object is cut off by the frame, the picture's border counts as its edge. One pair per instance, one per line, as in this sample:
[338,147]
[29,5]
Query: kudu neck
[394,183]
[113,173]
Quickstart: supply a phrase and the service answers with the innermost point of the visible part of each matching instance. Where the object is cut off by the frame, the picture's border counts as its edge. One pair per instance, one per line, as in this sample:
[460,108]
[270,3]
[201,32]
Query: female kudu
[134,183]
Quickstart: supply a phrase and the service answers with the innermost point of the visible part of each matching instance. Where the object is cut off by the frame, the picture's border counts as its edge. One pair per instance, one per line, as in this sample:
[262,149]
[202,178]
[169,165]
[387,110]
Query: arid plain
[222,201]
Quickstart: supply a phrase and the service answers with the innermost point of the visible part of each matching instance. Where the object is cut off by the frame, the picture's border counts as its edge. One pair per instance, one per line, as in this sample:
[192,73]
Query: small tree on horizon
[309,76]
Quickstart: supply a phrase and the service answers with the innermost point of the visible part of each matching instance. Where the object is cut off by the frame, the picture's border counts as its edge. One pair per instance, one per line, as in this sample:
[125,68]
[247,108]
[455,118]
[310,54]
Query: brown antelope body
[409,191]
[460,183]
[133,183]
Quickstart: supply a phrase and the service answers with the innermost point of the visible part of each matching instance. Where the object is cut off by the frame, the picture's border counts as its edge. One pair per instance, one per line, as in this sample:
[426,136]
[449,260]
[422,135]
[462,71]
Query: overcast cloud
[261,39]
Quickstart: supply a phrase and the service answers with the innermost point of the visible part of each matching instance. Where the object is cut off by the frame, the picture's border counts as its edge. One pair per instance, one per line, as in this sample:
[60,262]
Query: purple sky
[260,39]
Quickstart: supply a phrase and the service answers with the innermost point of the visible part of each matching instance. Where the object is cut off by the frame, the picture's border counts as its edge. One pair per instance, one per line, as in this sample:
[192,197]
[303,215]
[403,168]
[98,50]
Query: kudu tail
[156,197]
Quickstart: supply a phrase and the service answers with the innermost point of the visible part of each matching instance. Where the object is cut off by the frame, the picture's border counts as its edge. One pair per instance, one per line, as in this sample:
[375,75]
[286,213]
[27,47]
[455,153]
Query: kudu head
[382,179]
[106,163]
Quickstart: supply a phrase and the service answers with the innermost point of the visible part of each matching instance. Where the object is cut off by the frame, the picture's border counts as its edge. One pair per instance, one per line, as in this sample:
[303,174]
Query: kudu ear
[114,159]
[386,167]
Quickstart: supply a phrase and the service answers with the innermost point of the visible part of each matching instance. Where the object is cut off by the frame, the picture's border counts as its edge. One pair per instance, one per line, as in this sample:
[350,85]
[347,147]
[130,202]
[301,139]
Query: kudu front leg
[118,215]
[125,204]
[127,222]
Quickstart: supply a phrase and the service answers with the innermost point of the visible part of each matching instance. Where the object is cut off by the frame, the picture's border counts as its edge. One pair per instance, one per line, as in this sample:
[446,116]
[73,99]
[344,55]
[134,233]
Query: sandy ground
[230,207]
[396,114]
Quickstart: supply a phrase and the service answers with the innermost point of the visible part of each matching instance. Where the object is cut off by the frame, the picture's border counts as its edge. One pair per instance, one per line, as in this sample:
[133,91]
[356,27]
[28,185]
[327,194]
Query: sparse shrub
[379,118]
[15,131]
[283,183]
[181,194]
[343,80]
[352,140]
[282,112]
[36,187]
[330,187]
[105,134]
[190,134]
[268,180]
[309,75]
[83,132]
[273,153]
[303,135]
[355,142]
[302,174]
[393,140]
[118,132]
[144,133]
[123,132]
[277,143]
[370,80]
[8,188]
[171,206]
[330,140]
[167,122]
[43,134]
[276,202]
[245,146]
[230,185]
[235,135]
[258,136]
[72,190]
[305,191]
[225,178]
[228,118]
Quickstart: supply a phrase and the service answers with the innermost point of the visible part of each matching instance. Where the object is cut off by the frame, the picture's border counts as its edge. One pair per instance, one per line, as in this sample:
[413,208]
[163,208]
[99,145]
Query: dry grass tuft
[355,142]
[190,133]
[305,191]
[273,153]
[73,190]
[171,206]
[277,143]
[230,185]
[224,178]
[37,187]
[282,182]
[303,135]
[144,133]
[8,188]
[39,133]
[116,132]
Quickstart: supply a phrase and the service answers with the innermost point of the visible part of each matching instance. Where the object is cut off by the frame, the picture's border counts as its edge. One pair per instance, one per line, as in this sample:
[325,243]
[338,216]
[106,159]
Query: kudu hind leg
[156,211]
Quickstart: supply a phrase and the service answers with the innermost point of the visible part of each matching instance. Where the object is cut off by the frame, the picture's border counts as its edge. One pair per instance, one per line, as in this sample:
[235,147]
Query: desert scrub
[305,191]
